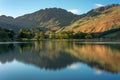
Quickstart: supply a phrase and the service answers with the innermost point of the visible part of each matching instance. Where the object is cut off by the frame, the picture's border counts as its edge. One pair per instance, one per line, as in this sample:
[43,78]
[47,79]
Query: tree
[39,35]
[79,35]
[52,35]
[25,34]
[6,34]
[11,34]
[88,36]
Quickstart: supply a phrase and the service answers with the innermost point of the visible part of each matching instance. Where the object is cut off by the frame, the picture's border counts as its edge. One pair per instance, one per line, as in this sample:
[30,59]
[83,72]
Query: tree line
[37,34]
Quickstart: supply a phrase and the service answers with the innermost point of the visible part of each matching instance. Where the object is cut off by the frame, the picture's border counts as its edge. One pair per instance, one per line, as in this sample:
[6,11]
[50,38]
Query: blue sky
[20,7]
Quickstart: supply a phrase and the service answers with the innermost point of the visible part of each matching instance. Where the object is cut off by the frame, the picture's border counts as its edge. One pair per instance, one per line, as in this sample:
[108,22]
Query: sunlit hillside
[97,20]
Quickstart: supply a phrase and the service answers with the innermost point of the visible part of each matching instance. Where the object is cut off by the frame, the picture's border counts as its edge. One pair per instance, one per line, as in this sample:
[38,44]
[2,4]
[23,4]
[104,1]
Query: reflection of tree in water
[23,47]
[4,48]
[59,54]
[48,54]
[114,47]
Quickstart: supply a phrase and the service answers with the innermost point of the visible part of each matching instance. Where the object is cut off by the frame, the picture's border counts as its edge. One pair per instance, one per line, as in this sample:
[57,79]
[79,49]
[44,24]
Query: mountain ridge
[105,18]
[47,18]
[99,20]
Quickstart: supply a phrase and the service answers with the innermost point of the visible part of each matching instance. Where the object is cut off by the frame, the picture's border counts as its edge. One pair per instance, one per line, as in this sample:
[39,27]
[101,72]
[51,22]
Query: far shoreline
[80,40]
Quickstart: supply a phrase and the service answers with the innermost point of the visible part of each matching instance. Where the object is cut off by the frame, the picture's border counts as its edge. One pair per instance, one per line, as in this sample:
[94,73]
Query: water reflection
[6,48]
[55,55]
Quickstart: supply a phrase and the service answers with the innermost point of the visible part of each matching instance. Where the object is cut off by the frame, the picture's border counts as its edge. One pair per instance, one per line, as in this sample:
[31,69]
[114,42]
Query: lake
[59,60]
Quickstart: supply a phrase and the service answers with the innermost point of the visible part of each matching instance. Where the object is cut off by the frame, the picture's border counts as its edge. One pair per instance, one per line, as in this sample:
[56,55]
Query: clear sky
[20,7]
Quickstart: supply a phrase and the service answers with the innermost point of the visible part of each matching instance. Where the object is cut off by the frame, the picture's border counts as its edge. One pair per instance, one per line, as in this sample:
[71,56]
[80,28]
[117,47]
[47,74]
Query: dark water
[60,60]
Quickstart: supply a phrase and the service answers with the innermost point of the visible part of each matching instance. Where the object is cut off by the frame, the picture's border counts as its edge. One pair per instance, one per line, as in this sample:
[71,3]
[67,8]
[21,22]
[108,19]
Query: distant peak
[100,10]
[54,8]
[4,16]
[106,7]
[112,5]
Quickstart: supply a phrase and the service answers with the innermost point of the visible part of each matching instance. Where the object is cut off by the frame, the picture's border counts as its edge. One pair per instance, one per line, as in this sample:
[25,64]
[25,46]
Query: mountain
[97,20]
[6,21]
[46,18]
[103,21]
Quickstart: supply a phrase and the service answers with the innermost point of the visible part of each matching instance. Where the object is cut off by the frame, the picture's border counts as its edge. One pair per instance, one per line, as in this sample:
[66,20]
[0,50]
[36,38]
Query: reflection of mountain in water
[59,54]
[99,56]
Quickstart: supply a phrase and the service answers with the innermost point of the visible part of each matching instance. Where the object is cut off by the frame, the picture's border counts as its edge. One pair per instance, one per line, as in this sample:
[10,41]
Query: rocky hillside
[97,20]
[102,21]
[6,22]
[46,18]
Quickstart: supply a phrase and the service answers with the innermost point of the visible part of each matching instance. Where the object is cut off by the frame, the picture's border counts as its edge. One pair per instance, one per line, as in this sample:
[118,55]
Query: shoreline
[80,40]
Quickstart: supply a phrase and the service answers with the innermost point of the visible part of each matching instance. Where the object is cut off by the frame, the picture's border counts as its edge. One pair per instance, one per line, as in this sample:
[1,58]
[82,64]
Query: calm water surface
[60,60]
